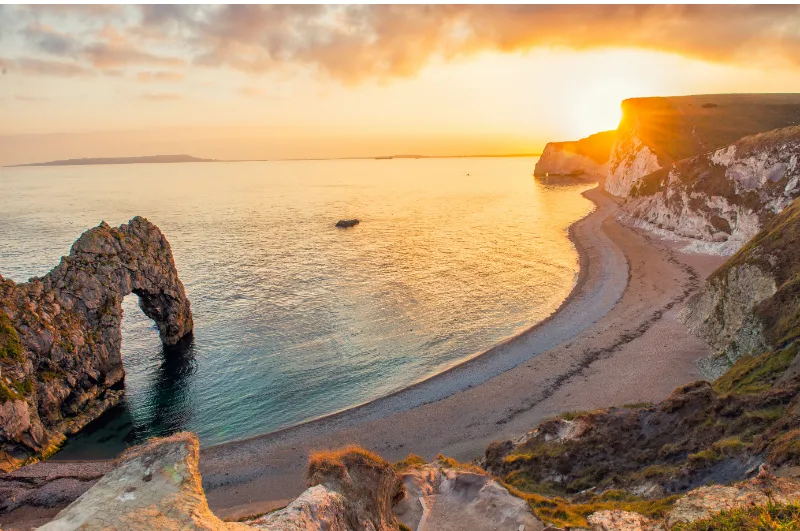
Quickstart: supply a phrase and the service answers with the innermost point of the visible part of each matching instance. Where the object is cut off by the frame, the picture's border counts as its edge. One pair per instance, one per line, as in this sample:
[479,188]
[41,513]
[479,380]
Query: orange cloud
[163,76]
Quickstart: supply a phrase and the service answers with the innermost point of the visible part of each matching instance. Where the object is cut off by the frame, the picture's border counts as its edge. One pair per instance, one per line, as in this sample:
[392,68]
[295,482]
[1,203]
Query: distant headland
[153,159]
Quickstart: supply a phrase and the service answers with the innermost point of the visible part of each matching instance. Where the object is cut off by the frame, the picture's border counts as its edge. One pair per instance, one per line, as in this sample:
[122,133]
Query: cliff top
[683,126]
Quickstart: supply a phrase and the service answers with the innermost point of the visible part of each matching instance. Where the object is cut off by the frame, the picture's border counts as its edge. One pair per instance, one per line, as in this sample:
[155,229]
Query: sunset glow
[116,81]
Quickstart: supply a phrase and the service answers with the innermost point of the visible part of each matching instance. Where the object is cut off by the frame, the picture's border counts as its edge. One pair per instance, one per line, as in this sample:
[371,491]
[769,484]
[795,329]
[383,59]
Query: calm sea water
[294,318]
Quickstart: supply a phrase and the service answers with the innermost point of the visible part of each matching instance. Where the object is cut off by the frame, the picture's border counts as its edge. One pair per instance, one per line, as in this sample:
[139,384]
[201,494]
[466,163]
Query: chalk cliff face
[656,132]
[752,303]
[587,156]
[721,199]
[60,334]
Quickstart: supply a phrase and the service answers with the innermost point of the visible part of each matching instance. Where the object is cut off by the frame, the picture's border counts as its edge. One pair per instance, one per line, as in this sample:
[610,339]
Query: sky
[282,81]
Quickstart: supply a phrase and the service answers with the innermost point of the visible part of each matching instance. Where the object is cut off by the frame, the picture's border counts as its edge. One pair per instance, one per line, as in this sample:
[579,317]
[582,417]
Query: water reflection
[168,411]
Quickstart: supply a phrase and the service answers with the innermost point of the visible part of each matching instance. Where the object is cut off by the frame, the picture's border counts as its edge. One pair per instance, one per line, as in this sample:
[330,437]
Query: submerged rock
[60,334]
[347,223]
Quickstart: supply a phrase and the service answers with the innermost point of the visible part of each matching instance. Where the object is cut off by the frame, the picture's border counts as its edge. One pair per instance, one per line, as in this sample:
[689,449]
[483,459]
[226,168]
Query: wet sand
[615,340]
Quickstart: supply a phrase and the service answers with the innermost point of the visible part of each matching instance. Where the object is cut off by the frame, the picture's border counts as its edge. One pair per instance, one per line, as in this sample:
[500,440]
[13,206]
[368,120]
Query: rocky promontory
[588,156]
[60,334]
[657,132]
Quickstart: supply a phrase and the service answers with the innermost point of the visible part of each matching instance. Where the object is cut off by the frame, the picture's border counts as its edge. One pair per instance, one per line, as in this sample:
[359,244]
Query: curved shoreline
[501,357]
[614,340]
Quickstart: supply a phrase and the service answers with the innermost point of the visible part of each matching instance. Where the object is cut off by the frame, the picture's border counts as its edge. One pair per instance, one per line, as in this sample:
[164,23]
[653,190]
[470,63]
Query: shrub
[10,346]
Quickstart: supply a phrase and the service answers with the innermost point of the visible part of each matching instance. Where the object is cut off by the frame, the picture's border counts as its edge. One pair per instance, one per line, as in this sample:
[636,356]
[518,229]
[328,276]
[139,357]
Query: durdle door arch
[60,335]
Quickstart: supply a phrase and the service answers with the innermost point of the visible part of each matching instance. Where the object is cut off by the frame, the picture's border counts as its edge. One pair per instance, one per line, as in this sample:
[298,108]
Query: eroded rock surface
[752,302]
[721,199]
[155,486]
[442,499]
[60,334]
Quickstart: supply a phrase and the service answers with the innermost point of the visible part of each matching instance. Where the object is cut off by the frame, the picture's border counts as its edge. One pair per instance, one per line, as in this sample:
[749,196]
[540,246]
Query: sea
[296,318]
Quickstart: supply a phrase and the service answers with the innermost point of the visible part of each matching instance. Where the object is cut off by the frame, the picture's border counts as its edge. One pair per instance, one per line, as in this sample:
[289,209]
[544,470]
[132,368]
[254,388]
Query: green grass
[754,374]
[10,346]
[7,394]
[562,513]
[770,517]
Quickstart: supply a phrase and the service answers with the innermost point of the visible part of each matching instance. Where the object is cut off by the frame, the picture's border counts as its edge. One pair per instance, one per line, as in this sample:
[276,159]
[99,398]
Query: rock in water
[347,223]
[60,334]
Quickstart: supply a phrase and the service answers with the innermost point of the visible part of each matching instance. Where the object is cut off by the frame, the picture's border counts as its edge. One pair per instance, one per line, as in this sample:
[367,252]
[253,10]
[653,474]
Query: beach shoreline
[503,392]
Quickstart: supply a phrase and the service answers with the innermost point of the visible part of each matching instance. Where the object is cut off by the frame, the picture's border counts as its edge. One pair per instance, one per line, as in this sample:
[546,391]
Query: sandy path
[614,341]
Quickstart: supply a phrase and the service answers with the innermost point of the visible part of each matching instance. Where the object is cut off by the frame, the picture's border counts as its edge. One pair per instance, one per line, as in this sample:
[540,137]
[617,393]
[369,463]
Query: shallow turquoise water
[294,318]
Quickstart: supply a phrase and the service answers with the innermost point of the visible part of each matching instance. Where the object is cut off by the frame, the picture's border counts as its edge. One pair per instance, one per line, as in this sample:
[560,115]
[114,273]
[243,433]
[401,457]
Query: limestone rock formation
[752,303]
[60,334]
[448,499]
[587,157]
[657,132]
[721,199]
[156,486]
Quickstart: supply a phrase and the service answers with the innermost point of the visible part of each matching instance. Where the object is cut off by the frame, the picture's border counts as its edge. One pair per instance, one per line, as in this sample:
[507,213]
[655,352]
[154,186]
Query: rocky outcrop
[721,199]
[60,334]
[158,486]
[657,132]
[445,498]
[752,303]
[155,486]
[586,157]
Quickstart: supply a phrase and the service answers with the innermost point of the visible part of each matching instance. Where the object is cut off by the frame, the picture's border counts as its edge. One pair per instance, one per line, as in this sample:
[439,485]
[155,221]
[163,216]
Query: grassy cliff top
[683,126]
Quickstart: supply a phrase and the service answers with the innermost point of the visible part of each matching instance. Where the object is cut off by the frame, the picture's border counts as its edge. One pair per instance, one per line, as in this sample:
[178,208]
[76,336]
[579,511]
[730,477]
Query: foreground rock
[350,489]
[444,499]
[60,334]
[156,486]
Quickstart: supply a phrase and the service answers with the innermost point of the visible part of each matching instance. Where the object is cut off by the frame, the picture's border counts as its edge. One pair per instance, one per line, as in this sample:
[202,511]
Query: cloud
[163,76]
[352,43]
[31,66]
[47,40]
[103,56]
[160,96]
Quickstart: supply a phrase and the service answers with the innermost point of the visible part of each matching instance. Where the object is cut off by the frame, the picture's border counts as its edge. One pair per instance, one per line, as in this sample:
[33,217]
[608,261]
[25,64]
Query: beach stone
[60,334]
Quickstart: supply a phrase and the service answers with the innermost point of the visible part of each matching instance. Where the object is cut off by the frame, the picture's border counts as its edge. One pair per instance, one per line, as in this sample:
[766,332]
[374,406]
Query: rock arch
[68,326]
